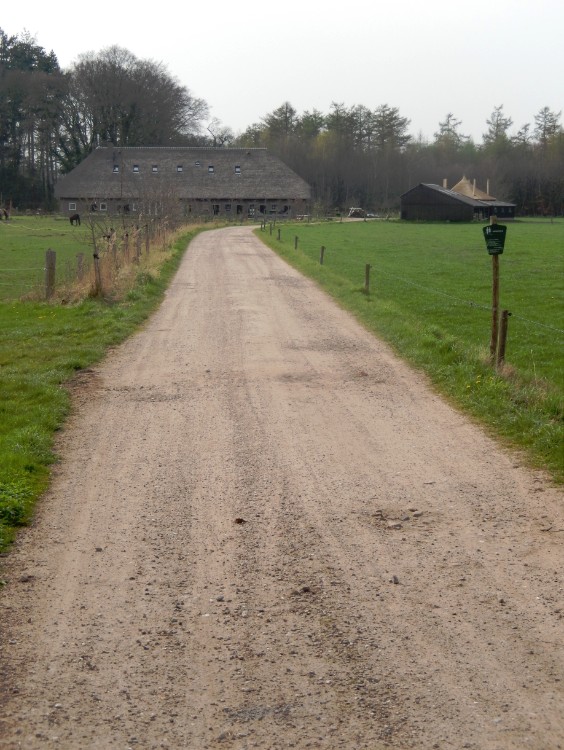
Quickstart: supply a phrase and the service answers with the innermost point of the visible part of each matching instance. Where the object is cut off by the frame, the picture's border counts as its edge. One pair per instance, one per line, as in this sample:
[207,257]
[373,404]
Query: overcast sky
[426,57]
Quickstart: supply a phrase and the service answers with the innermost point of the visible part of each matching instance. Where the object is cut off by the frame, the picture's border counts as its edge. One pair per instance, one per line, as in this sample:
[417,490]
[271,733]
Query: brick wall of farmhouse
[223,207]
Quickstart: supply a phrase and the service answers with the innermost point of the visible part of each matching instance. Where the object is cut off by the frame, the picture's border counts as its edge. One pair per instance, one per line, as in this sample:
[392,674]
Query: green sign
[494,235]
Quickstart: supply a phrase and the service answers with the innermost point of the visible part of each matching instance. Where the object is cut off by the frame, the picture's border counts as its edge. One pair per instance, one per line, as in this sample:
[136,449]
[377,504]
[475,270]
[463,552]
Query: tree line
[368,158]
[51,119]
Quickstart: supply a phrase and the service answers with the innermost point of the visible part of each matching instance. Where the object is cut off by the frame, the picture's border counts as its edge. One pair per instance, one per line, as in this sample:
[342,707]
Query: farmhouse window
[179,168]
[237,169]
[72,206]
[103,206]
[136,167]
[228,206]
[155,168]
[211,168]
[116,167]
[197,164]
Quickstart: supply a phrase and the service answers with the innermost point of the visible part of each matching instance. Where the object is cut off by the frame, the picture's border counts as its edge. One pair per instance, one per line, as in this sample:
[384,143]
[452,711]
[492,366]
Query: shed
[430,202]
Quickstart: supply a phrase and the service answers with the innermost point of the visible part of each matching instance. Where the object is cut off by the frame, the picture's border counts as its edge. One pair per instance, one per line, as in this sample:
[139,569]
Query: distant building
[183,181]
[463,202]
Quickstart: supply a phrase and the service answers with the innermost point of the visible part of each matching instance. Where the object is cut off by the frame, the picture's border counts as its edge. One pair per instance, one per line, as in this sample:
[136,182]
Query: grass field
[23,243]
[430,298]
[42,346]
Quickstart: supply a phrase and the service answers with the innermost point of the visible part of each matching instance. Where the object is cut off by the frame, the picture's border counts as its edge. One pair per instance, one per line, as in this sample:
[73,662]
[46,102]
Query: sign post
[494,234]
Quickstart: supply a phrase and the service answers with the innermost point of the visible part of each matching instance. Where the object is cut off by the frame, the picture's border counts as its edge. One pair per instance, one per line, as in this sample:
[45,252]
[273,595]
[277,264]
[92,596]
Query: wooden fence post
[278,232]
[367,278]
[147,239]
[50,265]
[137,244]
[502,337]
[495,307]
[295,242]
[321,254]
[97,274]
[80,266]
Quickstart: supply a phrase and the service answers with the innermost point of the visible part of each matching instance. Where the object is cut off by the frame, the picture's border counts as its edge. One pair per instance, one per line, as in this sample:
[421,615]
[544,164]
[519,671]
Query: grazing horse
[75,220]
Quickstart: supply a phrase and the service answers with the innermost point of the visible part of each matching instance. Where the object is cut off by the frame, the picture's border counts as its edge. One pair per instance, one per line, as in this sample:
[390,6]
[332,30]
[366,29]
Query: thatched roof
[465,187]
[188,173]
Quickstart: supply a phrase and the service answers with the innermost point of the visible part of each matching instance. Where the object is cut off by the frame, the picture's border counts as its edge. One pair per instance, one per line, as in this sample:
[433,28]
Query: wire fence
[94,271]
[535,344]
[468,302]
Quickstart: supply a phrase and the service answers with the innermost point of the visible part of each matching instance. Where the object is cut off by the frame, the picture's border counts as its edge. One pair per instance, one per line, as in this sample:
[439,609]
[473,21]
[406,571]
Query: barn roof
[446,192]
[190,173]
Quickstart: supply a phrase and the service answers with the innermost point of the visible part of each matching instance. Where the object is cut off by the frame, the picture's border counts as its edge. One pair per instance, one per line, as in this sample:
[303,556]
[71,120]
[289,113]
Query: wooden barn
[462,202]
[182,181]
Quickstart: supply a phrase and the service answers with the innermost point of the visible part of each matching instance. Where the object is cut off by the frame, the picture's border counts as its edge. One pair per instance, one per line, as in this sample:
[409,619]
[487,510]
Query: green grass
[24,241]
[430,298]
[41,347]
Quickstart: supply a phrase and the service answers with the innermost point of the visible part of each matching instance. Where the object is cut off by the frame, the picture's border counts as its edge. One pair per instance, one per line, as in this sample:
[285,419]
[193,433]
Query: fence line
[536,323]
[467,302]
[470,303]
[111,252]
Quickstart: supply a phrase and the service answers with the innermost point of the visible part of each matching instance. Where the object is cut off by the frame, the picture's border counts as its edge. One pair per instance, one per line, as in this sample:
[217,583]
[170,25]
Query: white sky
[426,57]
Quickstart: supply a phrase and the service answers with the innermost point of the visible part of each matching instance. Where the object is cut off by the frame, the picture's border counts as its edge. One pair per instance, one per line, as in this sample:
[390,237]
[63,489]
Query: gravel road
[266,531]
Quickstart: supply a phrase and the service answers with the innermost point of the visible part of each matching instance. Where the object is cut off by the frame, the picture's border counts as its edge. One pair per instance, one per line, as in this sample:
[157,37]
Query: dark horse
[75,220]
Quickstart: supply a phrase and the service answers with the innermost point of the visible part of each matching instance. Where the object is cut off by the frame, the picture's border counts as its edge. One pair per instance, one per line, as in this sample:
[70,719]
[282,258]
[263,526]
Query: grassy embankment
[42,345]
[430,298]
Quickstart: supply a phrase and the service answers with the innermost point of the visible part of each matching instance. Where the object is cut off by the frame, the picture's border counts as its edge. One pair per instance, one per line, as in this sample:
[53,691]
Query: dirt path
[266,532]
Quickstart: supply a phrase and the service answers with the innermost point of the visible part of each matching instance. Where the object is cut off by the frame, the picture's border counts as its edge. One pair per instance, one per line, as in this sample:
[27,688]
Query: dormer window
[211,169]
[237,169]
[136,167]
[155,168]
[116,167]
[197,164]
[179,168]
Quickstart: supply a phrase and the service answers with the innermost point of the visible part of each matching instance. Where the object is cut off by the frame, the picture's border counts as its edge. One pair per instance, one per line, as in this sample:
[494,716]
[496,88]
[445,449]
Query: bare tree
[220,134]
[117,98]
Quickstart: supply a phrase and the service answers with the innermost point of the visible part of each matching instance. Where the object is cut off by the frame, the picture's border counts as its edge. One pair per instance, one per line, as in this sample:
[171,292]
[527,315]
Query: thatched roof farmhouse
[230,182]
